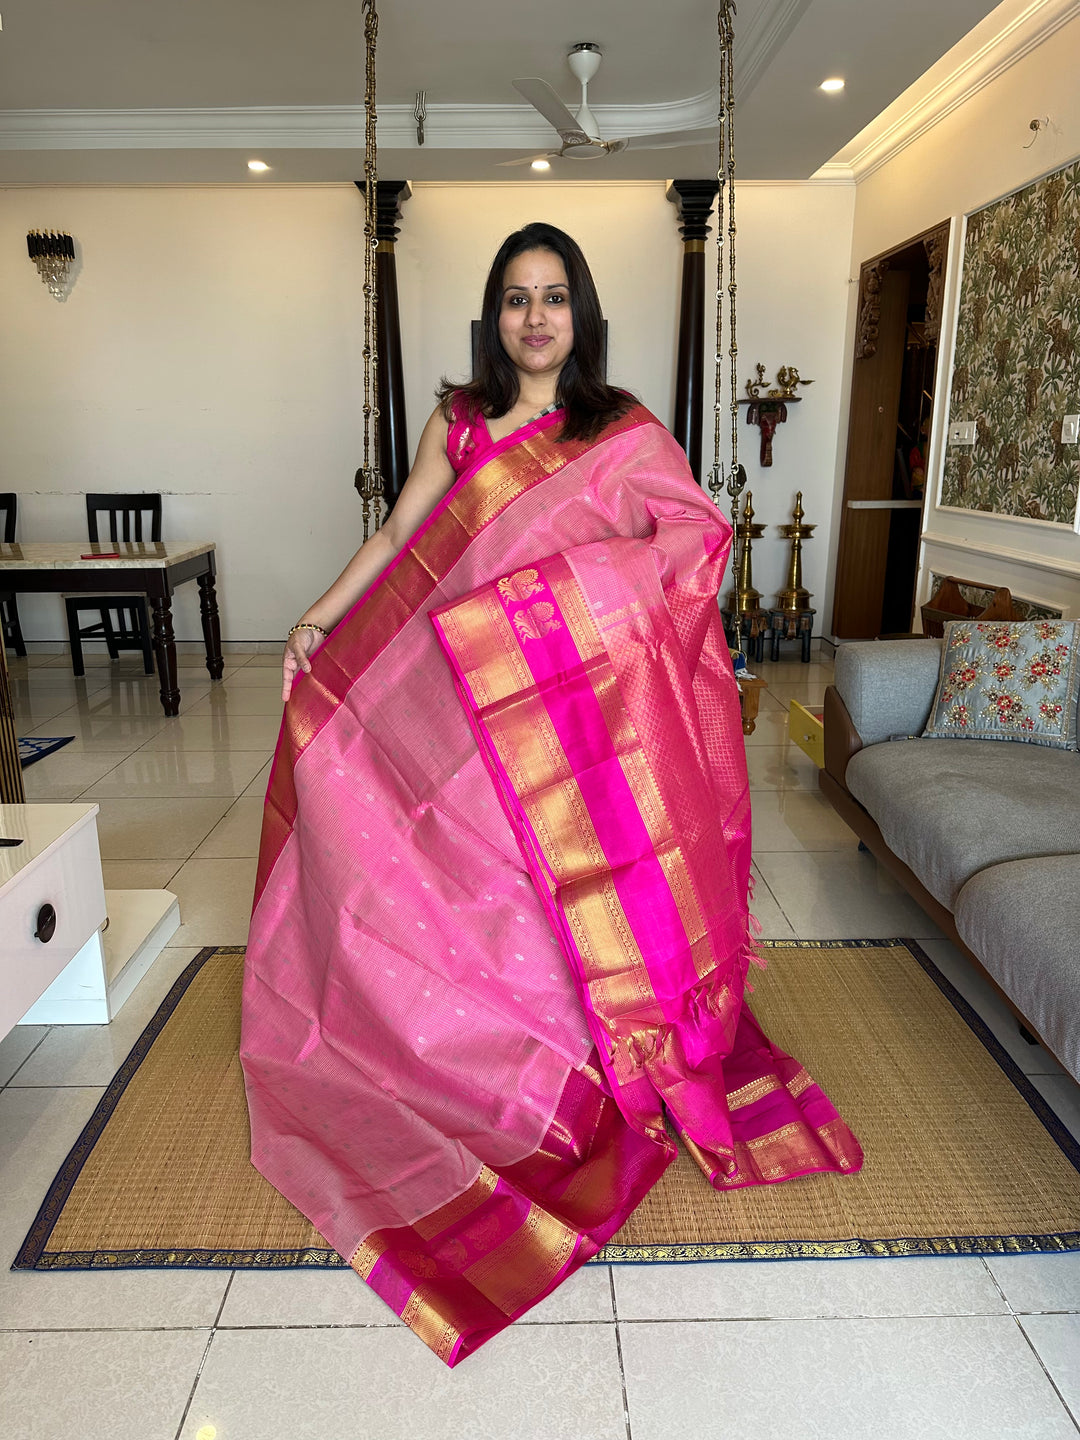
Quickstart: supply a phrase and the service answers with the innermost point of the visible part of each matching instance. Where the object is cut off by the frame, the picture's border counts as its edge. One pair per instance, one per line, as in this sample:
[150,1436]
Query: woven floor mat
[962,1154]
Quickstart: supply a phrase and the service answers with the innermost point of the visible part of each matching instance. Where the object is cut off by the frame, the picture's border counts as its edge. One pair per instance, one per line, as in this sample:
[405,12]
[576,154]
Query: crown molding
[759,39]
[331,127]
[936,95]
[1037,560]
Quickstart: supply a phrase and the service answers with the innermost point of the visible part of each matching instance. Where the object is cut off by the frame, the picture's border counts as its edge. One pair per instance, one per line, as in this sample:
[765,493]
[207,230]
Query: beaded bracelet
[307,625]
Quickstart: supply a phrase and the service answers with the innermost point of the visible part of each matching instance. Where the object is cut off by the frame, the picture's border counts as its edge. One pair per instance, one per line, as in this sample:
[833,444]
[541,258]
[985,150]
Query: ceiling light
[831,86]
[258,165]
[541,165]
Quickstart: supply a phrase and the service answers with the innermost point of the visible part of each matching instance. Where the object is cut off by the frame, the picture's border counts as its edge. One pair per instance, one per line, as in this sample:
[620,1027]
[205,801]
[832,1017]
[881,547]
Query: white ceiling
[143,91]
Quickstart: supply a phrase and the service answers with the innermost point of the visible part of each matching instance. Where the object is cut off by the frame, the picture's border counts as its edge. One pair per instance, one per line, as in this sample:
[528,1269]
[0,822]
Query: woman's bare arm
[429,480]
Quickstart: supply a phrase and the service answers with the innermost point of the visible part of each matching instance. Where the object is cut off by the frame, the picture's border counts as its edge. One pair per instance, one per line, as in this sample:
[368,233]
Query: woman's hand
[298,647]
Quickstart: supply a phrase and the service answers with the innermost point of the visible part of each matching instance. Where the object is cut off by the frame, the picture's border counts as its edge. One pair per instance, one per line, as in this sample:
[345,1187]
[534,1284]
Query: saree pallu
[501,915]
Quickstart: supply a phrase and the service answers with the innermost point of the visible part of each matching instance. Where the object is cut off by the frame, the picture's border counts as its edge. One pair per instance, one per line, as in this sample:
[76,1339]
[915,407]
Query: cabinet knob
[46,924]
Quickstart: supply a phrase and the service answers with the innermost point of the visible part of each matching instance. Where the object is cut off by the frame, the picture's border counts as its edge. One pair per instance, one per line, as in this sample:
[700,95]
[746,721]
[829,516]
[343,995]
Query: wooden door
[868,476]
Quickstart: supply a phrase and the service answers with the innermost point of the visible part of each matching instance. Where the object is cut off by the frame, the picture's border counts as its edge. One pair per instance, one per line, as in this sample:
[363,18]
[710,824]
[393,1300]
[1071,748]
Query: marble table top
[68,554]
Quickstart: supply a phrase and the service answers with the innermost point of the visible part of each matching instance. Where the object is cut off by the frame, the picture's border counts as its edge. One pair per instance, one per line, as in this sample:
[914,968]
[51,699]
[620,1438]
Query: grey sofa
[985,834]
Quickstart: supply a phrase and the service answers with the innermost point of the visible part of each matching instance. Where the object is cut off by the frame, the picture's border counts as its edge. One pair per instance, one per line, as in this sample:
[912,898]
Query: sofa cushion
[887,685]
[1008,680]
[1022,919]
[949,810]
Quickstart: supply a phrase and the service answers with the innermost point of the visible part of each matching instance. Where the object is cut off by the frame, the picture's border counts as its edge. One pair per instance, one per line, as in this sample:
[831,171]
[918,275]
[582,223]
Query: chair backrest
[9,509]
[125,514]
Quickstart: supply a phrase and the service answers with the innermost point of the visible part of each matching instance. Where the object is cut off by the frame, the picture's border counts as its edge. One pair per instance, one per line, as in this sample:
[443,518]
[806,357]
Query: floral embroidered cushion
[1008,680]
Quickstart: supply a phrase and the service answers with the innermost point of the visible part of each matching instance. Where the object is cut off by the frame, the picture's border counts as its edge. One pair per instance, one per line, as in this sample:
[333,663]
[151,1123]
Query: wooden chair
[9,610]
[131,630]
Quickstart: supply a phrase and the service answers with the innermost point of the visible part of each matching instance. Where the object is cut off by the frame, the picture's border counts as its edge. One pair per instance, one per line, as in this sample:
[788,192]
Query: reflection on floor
[954,1348]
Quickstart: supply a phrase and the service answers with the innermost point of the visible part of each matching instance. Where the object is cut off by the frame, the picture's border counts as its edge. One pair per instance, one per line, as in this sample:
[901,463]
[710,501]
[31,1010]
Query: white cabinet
[57,864]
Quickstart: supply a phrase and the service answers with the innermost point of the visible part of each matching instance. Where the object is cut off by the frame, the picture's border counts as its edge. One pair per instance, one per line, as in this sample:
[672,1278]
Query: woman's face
[536,326]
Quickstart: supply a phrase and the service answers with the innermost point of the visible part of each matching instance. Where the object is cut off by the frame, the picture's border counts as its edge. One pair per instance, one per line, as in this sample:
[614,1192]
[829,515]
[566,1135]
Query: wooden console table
[151,568]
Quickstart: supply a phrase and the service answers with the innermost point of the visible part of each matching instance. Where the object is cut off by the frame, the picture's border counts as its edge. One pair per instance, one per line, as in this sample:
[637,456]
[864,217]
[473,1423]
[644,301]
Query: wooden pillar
[390,195]
[694,200]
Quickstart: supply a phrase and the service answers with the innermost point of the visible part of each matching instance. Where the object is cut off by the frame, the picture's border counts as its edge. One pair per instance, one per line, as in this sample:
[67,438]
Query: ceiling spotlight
[541,165]
[258,166]
[831,87]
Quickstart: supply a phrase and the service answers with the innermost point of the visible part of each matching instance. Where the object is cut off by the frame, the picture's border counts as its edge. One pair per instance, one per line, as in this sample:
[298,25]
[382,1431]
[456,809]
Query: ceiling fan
[580,134]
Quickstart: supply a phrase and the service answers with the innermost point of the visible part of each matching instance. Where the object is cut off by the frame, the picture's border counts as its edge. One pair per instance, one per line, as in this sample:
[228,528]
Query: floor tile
[260,677]
[66,774]
[91,1054]
[140,829]
[806,1289]
[786,820]
[781,767]
[770,728]
[774,923]
[981,995]
[837,895]
[1062,1094]
[261,781]
[221,730]
[907,1379]
[585,1296]
[237,834]
[138,874]
[187,774]
[302,1297]
[809,693]
[215,901]
[532,1382]
[252,701]
[793,672]
[70,1387]
[1056,1339]
[1033,1283]
[16,1045]
[90,733]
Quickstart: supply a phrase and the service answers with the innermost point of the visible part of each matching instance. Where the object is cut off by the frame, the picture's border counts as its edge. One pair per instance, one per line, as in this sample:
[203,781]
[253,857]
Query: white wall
[210,349]
[982,150]
[792,270]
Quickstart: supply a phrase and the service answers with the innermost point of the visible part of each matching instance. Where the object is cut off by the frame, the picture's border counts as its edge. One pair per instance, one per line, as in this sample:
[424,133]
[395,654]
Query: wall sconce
[53,254]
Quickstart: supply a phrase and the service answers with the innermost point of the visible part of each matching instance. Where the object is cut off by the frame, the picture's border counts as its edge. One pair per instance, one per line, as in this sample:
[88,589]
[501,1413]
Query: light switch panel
[962,432]
[1070,429]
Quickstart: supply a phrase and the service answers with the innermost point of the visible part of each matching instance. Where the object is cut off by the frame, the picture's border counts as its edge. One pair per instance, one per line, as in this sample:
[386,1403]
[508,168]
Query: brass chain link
[734,479]
[369,477]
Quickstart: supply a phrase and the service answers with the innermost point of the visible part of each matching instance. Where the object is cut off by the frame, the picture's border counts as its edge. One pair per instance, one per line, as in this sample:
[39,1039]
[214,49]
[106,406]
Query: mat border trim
[32,1254]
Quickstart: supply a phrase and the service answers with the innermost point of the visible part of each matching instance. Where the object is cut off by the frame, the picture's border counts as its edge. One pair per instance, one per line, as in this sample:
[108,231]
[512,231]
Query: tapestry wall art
[1016,371]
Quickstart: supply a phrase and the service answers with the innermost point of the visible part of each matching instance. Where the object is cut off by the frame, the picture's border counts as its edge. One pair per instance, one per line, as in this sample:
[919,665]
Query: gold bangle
[307,625]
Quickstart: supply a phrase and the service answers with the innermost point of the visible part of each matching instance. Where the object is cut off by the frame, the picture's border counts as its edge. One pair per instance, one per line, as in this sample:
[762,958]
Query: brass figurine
[787,378]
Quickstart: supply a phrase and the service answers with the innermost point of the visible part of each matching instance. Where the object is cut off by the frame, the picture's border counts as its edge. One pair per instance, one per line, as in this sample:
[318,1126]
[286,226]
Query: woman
[501,914]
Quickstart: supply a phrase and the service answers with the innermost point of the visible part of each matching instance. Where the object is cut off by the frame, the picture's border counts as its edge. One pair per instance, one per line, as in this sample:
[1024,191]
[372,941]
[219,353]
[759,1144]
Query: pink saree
[501,916]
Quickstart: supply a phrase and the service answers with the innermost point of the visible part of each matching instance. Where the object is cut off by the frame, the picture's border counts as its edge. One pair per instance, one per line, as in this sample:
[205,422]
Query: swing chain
[369,478]
[735,478]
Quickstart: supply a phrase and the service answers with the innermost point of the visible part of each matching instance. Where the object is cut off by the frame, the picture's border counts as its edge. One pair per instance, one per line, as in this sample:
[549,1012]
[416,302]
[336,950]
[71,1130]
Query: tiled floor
[963,1349]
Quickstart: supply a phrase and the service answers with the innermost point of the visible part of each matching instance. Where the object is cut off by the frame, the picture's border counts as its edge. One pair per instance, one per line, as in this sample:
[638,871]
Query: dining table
[152,568]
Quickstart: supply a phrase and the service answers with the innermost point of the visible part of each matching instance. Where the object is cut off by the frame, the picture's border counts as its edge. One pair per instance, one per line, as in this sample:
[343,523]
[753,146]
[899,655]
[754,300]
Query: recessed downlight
[258,166]
[541,165]
[833,86]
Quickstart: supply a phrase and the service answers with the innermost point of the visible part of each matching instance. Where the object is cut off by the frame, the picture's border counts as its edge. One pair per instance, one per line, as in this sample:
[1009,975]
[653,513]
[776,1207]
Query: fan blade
[542,97]
[528,159]
[670,138]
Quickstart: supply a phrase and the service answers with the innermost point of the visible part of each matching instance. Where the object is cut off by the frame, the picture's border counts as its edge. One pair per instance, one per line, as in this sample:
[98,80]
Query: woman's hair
[589,401]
